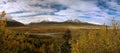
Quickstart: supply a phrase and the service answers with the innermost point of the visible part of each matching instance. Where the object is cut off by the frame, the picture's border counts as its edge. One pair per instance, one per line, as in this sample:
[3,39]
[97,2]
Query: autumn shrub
[104,40]
[11,42]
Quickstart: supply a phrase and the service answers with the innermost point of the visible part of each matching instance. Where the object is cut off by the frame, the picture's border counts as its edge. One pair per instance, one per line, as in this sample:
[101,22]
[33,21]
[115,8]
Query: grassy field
[50,28]
[75,30]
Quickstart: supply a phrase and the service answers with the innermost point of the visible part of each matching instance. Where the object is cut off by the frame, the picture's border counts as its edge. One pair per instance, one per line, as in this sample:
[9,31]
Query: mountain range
[67,22]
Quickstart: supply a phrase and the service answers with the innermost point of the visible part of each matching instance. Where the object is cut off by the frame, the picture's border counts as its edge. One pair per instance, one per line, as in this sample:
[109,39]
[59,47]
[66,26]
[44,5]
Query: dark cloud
[11,0]
[58,7]
[40,5]
[38,14]
[18,12]
[84,16]
[55,6]
[103,5]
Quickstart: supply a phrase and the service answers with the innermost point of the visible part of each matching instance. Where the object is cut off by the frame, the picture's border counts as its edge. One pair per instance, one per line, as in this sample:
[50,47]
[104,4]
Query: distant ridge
[67,22]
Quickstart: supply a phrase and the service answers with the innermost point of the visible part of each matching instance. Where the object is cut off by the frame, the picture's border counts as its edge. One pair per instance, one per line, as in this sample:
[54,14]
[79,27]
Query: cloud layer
[93,11]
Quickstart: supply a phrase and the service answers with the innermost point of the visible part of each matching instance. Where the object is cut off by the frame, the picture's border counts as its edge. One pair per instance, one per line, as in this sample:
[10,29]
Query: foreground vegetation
[12,42]
[97,41]
[103,40]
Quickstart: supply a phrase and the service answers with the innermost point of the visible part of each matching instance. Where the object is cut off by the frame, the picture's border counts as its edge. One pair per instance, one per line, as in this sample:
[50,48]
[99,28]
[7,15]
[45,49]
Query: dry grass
[44,29]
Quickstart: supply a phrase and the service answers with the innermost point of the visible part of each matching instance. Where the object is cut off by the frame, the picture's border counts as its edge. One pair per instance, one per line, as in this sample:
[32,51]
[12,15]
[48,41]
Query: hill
[14,23]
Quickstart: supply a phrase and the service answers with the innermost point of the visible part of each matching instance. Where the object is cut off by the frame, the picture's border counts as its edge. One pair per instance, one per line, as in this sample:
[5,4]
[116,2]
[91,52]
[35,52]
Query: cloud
[93,11]
[38,14]
[17,12]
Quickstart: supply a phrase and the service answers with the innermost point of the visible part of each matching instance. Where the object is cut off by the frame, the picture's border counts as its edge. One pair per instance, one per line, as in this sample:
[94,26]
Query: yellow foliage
[3,14]
[104,40]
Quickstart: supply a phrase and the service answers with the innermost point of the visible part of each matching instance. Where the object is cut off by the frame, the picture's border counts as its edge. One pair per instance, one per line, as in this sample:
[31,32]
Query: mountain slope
[13,23]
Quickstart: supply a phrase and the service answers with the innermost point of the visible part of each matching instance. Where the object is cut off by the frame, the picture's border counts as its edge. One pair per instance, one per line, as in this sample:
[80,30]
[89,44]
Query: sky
[92,11]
